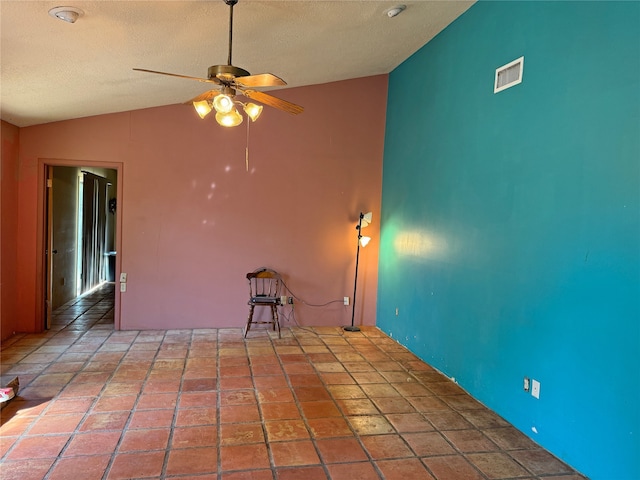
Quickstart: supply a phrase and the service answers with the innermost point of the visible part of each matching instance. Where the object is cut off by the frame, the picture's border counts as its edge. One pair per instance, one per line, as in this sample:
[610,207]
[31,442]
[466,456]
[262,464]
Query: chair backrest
[264,285]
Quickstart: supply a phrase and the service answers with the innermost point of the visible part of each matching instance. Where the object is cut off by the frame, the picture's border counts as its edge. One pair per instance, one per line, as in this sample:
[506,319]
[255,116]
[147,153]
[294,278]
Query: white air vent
[509,75]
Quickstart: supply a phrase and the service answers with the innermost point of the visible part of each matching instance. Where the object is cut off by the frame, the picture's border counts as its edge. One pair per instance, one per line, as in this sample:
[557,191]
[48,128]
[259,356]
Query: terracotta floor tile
[497,465]
[271,381]
[151,419]
[157,401]
[272,395]
[379,390]
[48,446]
[247,475]
[484,418]
[241,433]
[470,441]
[357,406]
[93,443]
[113,404]
[239,414]
[136,465]
[92,468]
[404,469]
[200,436]
[386,446]
[56,424]
[192,461]
[244,457]
[509,438]
[409,422]
[105,421]
[284,430]
[204,384]
[339,450]
[351,471]
[367,377]
[447,420]
[540,462]
[162,386]
[428,443]
[311,394]
[428,404]
[16,426]
[412,389]
[289,454]
[70,405]
[346,391]
[148,439]
[452,468]
[337,378]
[196,416]
[198,399]
[280,411]
[235,383]
[322,409]
[28,469]
[237,397]
[393,405]
[124,388]
[297,473]
[370,424]
[329,427]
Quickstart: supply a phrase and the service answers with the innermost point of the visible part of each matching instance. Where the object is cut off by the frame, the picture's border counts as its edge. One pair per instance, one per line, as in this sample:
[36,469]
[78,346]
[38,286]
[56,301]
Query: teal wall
[511,222]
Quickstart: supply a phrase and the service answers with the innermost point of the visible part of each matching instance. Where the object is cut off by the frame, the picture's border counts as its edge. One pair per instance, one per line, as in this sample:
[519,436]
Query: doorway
[80,232]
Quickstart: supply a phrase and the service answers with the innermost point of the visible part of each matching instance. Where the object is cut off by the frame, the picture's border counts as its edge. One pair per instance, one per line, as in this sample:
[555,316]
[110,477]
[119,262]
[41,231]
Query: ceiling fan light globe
[223,103]
[253,111]
[231,119]
[203,108]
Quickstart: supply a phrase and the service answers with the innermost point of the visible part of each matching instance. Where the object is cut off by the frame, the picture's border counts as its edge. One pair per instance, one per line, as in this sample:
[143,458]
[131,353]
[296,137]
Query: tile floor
[207,404]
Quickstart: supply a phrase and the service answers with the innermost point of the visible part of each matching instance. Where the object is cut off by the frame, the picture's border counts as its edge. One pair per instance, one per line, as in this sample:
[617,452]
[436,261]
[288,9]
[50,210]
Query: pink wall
[10,136]
[194,221]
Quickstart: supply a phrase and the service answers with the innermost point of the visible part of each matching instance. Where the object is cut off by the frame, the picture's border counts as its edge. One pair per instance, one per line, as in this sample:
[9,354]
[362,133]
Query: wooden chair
[264,291]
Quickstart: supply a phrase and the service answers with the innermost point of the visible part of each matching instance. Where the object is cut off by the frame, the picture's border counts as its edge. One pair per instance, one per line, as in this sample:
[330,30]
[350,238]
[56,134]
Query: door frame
[41,237]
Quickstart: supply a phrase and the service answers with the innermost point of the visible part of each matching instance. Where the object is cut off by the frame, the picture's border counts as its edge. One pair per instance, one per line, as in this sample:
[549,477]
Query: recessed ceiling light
[66,14]
[394,11]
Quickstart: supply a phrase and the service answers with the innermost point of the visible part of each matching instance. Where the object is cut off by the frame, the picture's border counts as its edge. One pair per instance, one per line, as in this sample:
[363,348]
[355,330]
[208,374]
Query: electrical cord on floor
[309,304]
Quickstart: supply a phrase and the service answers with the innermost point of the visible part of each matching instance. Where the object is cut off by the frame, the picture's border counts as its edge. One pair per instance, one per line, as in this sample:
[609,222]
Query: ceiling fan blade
[273,101]
[203,96]
[207,80]
[260,80]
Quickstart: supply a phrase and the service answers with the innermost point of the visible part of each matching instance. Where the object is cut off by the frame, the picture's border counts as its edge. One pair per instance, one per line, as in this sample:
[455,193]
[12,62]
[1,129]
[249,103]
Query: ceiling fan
[232,80]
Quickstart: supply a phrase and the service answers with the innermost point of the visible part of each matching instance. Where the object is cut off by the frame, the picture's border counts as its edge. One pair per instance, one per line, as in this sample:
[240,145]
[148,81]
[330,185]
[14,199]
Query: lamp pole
[353,327]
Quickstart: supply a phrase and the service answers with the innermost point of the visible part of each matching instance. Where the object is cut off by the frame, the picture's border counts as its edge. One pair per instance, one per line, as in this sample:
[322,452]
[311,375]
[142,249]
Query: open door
[49,252]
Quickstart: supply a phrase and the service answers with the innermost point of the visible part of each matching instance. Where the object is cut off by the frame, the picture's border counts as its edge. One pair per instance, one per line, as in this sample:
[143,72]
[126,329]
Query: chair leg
[249,320]
[276,320]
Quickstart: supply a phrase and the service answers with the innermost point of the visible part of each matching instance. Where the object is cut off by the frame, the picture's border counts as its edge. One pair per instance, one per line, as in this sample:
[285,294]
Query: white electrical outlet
[526,384]
[123,286]
[396,311]
[123,277]
[535,388]
[346,300]
[283,300]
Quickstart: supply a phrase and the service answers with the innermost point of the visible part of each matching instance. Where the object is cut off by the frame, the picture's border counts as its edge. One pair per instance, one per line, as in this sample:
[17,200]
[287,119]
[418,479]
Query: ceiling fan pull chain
[246,154]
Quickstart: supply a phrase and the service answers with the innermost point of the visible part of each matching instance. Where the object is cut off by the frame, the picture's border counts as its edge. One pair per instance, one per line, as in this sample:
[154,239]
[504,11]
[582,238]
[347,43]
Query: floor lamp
[363,221]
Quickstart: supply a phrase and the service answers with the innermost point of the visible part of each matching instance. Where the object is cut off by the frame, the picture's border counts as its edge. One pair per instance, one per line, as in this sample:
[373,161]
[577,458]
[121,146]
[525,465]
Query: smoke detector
[66,14]
[395,11]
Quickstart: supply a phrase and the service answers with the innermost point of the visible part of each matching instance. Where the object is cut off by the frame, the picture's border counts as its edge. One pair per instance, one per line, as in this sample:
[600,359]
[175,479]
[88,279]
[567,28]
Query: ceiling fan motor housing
[226,73]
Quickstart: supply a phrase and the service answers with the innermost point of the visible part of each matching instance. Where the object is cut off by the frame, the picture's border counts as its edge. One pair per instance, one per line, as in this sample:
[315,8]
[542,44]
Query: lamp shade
[231,119]
[364,241]
[253,111]
[366,219]
[223,103]
[203,108]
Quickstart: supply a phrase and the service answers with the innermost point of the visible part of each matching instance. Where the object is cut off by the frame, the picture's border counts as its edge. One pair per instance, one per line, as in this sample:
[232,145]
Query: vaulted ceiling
[53,70]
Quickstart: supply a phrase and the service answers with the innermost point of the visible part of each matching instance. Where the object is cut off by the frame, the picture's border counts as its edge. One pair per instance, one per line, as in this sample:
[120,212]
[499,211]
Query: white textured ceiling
[52,70]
